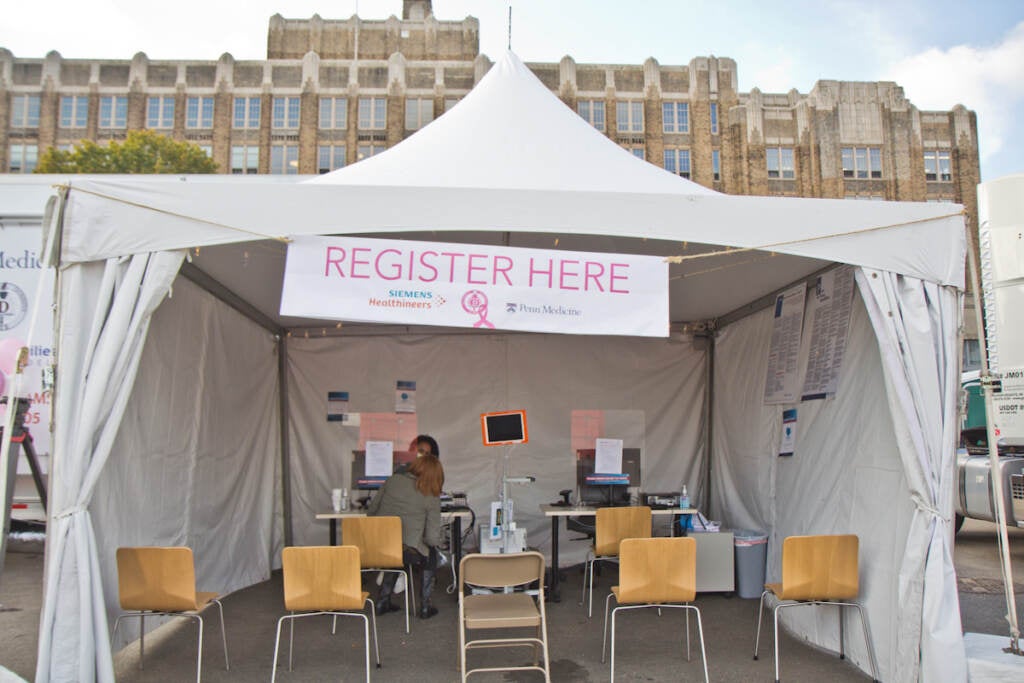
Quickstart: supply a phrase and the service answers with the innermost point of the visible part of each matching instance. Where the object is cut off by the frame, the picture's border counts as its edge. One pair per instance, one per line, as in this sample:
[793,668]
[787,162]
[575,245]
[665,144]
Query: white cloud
[988,80]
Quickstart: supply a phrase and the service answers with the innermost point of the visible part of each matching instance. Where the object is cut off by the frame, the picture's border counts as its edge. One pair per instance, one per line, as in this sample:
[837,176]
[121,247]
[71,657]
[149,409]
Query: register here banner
[468,285]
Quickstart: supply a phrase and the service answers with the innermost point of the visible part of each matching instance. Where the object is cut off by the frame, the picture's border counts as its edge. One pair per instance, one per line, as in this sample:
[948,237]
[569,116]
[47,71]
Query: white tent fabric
[460,376]
[548,171]
[202,418]
[101,337]
[922,243]
[845,477]
[917,326]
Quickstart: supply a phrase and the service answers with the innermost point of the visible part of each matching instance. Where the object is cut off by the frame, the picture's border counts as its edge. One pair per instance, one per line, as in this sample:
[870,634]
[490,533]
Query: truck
[1001,251]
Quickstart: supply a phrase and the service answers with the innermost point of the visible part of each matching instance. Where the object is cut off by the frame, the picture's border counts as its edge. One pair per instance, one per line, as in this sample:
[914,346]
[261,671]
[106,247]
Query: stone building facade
[331,92]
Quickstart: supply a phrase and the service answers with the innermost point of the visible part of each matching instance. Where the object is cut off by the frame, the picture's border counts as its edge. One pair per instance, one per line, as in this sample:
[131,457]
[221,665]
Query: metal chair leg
[376,638]
[604,636]
[760,614]
[199,652]
[223,635]
[687,632]
[277,644]
[700,632]
[775,614]
[291,640]
[842,639]
[613,645]
[142,639]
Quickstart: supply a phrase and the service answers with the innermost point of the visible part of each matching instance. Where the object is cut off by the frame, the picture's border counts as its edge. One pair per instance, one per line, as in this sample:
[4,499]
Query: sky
[941,52]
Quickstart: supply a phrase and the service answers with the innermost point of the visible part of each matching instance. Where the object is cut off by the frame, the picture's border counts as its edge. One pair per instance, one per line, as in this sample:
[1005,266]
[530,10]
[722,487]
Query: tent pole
[987,380]
[709,413]
[286,476]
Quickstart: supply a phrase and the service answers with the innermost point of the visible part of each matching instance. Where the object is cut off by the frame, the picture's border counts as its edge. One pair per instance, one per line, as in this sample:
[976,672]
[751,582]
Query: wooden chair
[611,527]
[379,540]
[324,580]
[817,570]
[504,610]
[162,582]
[656,572]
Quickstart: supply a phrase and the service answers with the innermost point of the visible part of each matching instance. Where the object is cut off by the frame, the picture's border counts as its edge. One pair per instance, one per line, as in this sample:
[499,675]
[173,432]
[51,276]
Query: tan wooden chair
[379,540]
[503,610]
[817,570]
[655,572]
[611,527]
[160,581]
[324,580]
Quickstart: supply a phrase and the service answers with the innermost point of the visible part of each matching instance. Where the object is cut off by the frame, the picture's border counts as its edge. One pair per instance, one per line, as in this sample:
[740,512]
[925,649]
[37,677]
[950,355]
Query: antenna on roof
[510,26]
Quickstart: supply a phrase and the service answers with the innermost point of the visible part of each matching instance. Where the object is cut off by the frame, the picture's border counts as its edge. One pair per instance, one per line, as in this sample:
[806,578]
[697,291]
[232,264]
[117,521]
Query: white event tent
[189,411]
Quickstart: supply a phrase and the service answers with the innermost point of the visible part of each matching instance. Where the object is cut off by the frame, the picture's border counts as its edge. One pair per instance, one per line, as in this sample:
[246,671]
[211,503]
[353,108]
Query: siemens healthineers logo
[407,298]
[543,309]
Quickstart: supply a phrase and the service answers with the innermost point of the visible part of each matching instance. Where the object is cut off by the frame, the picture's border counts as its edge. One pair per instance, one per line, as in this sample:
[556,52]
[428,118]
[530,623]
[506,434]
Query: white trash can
[751,554]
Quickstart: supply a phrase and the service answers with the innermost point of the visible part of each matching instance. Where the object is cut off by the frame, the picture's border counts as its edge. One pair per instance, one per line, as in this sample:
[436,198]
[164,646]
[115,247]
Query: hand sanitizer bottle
[684,499]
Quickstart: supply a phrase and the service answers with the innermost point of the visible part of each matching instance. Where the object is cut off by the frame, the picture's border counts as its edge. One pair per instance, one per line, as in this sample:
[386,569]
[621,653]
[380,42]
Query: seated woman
[415,496]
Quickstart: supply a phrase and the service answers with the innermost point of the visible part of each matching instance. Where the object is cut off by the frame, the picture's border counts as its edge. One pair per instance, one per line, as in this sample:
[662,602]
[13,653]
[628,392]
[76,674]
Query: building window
[369,149]
[245,159]
[716,165]
[74,111]
[373,113]
[678,161]
[629,116]
[207,150]
[330,157]
[160,112]
[23,158]
[284,159]
[675,117]
[637,151]
[199,112]
[714,118]
[247,112]
[418,112]
[937,165]
[333,113]
[972,355]
[592,112]
[450,102]
[780,162]
[113,111]
[25,111]
[286,113]
[862,162]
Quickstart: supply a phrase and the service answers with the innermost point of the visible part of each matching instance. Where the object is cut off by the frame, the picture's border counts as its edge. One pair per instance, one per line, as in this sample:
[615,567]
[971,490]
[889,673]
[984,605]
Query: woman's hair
[429,475]
[426,438]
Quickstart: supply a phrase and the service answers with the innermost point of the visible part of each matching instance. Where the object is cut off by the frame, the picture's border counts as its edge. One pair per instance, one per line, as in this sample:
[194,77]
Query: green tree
[142,151]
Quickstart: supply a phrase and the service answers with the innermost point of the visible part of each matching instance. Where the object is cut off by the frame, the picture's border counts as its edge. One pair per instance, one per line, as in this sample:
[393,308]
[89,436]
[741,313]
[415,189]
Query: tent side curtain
[106,308]
[921,240]
[196,460]
[844,476]
[917,327]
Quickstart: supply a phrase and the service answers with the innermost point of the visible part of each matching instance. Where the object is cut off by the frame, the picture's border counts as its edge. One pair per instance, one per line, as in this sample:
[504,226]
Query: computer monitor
[503,428]
[606,494]
[361,481]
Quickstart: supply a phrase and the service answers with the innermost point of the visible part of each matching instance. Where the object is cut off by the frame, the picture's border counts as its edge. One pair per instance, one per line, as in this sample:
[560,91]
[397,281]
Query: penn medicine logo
[13,306]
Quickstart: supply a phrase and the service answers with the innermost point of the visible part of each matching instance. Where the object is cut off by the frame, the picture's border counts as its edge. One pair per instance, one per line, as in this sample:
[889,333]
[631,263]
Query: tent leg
[286,477]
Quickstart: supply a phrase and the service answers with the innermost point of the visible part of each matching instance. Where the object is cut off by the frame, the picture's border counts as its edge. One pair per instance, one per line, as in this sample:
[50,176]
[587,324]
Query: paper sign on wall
[337,406]
[608,456]
[788,432]
[783,354]
[405,397]
[379,458]
[478,286]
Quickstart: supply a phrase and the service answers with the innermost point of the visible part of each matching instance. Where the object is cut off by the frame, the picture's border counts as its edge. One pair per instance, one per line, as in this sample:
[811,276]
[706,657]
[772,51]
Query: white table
[557,512]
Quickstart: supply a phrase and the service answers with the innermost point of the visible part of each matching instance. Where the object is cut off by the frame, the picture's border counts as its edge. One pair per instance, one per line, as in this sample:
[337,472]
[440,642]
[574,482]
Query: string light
[245,258]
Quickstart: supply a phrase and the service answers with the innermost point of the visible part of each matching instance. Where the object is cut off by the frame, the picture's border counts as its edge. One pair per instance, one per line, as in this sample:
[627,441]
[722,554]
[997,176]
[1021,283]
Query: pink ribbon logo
[474,302]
